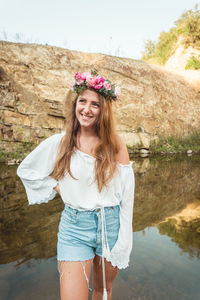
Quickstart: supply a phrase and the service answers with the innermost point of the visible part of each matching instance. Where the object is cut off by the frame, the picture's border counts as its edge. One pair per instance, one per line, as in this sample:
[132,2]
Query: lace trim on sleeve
[43,193]
[119,260]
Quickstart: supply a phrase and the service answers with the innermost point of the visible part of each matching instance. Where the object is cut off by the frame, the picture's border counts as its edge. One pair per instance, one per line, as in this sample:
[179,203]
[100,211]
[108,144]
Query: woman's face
[88,108]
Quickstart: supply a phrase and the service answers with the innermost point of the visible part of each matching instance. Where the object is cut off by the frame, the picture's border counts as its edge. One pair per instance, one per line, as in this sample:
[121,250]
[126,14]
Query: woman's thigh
[74,279]
[110,272]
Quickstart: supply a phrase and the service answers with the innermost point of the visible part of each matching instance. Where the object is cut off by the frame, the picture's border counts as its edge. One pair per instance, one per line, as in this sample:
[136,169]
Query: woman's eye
[96,104]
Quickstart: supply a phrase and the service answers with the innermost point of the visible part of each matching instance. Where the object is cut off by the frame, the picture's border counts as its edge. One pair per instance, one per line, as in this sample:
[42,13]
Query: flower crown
[92,80]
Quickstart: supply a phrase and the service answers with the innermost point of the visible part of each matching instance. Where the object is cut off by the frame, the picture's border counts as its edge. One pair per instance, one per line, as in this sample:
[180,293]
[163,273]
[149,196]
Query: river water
[165,260]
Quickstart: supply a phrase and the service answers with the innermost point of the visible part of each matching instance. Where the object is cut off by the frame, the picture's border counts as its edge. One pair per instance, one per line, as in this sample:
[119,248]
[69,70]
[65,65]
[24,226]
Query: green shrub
[165,46]
[189,26]
[193,63]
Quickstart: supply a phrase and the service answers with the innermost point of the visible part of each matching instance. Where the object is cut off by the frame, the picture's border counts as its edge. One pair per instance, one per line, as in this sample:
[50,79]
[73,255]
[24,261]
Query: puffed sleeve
[34,170]
[120,253]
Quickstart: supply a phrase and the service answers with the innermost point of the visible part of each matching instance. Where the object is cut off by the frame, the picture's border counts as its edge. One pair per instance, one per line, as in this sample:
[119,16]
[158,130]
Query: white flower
[117,91]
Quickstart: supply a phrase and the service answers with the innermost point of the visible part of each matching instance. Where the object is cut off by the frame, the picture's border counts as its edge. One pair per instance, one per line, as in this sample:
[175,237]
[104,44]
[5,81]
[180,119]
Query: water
[158,270]
[165,261]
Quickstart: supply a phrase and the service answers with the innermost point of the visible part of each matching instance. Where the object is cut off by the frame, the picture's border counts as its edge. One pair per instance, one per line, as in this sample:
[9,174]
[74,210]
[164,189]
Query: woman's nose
[87,108]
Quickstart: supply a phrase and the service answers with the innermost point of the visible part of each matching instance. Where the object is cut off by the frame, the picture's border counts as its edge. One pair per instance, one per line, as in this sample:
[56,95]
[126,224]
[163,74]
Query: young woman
[88,165]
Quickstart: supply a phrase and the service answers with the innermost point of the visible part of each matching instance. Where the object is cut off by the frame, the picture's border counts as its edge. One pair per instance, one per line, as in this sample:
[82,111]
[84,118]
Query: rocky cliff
[35,95]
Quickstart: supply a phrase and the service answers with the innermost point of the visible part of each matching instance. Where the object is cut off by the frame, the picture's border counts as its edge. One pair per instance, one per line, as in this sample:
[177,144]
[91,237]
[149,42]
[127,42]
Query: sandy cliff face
[177,62]
[34,82]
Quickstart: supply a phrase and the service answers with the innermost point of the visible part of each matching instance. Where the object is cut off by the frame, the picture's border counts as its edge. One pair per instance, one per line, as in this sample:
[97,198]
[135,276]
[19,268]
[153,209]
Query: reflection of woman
[89,167]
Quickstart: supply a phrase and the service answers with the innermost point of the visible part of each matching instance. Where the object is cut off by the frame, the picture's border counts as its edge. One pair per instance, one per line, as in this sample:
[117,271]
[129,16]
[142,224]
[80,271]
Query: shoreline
[150,152]
[13,158]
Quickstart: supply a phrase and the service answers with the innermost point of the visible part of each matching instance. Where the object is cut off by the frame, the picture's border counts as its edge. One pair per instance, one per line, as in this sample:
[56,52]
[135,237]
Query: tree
[149,49]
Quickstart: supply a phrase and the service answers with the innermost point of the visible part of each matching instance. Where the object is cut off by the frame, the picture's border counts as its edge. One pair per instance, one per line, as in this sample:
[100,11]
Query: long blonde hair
[105,150]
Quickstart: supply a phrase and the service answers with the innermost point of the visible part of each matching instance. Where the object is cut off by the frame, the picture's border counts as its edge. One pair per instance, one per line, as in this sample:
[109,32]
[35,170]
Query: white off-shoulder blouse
[83,193]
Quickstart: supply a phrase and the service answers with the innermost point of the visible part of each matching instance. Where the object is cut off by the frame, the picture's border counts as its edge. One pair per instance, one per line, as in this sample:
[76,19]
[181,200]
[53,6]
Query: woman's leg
[74,279]
[110,272]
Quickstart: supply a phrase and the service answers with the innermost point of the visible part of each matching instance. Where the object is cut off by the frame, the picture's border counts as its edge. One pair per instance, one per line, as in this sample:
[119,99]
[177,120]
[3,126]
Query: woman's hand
[57,188]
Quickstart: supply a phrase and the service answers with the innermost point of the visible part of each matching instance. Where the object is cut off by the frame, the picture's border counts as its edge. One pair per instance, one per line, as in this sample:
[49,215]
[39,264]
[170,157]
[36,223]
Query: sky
[115,27]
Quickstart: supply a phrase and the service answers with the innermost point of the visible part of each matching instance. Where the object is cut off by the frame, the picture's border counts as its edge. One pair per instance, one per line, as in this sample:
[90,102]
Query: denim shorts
[79,235]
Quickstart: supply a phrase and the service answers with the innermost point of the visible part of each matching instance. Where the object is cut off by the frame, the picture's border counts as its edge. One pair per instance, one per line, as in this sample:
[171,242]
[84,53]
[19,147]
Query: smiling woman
[88,165]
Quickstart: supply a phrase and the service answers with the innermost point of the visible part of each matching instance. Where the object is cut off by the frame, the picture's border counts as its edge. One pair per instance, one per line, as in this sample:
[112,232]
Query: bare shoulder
[122,156]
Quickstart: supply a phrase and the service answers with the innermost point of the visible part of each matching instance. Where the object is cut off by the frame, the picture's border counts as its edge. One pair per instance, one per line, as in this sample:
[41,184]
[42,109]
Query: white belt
[105,250]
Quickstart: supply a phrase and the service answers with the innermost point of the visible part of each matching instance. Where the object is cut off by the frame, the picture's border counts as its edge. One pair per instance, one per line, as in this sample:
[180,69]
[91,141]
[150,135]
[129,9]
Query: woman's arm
[122,156]
[120,253]
[35,169]
[57,188]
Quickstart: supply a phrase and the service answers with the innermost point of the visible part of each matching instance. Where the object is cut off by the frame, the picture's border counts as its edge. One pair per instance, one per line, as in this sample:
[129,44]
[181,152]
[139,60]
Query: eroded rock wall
[34,83]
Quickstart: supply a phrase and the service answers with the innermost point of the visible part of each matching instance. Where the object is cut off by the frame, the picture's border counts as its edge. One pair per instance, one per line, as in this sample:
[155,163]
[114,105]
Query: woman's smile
[86,116]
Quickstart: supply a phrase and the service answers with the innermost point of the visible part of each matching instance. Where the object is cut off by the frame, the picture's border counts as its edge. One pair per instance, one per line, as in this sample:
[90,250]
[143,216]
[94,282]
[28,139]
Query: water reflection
[165,259]
[158,271]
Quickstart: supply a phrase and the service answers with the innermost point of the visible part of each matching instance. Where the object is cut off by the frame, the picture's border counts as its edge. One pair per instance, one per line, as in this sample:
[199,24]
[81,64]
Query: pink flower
[107,85]
[78,78]
[91,80]
[77,75]
[99,79]
[79,81]
[98,86]
[117,91]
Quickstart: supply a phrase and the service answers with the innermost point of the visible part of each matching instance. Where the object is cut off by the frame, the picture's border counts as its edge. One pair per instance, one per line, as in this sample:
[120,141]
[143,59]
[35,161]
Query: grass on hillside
[177,143]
